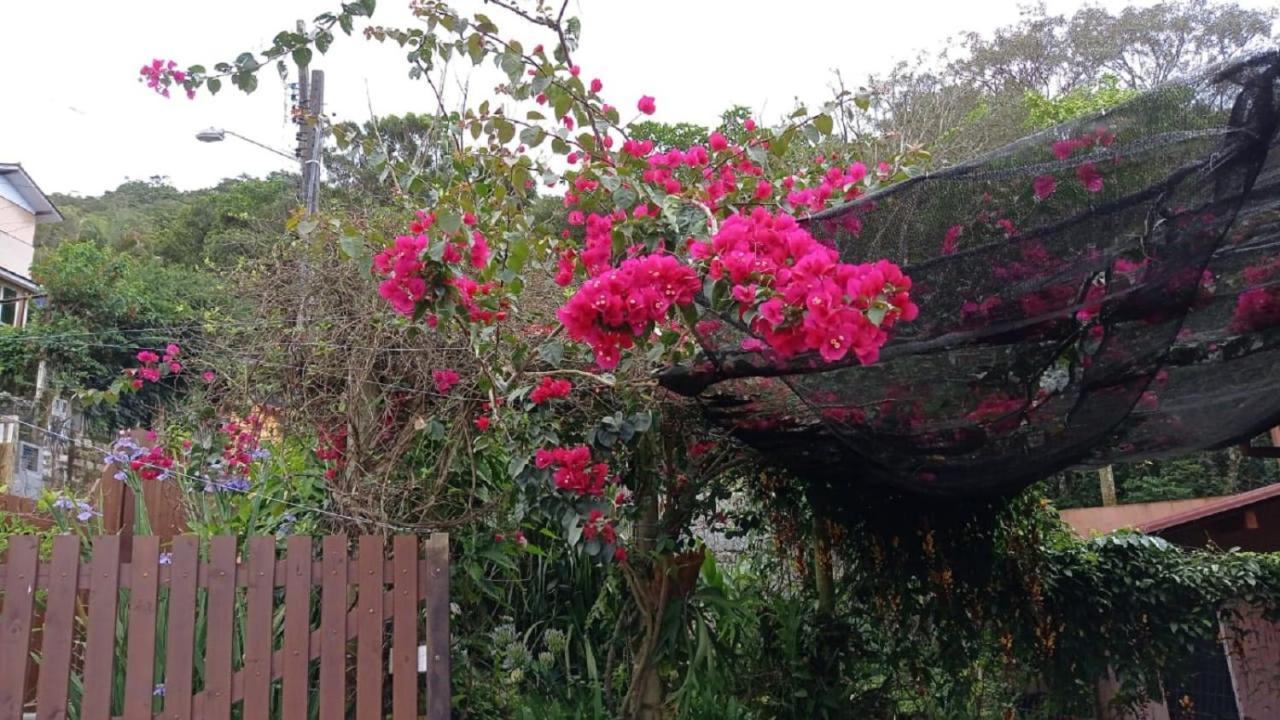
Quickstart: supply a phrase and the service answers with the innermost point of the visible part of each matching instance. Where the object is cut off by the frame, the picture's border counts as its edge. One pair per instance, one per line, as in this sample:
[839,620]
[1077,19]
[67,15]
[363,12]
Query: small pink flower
[596,85]
[717,141]
[574,70]
[469,220]
[949,241]
[207,376]
[646,105]
[1044,186]
[749,125]
[1090,177]
[482,423]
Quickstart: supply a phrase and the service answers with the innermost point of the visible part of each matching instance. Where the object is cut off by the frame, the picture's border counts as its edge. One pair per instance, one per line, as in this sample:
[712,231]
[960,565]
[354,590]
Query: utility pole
[309,116]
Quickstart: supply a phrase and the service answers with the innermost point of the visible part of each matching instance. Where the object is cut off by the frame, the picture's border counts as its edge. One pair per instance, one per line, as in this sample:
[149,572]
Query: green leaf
[302,56]
[532,136]
[551,353]
[214,85]
[824,124]
[323,40]
[352,245]
[506,131]
[344,21]
[448,221]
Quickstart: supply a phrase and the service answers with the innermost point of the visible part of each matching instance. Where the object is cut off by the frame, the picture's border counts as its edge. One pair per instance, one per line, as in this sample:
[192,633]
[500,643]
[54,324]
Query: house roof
[9,277]
[14,179]
[1221,506]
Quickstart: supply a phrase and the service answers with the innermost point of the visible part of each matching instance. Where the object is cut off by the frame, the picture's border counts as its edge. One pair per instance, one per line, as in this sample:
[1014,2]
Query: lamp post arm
[251,141]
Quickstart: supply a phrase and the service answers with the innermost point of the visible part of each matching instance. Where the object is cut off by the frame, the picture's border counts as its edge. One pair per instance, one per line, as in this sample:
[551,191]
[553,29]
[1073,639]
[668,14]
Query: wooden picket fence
[294,656]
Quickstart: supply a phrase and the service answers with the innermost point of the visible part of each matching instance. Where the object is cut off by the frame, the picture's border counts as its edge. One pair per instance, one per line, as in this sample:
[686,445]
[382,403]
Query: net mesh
[1105,291]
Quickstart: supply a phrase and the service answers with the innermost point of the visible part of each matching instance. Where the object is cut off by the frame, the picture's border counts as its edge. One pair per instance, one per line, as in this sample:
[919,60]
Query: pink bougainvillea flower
[1090,177]
[479,250]
[172,350]
[749,125]
[1063,149]
[949,241]
[550,389]
[1043,186]
[596,85]
[208,376]
[646,105]
[482,423]
[445,380]
[717,141]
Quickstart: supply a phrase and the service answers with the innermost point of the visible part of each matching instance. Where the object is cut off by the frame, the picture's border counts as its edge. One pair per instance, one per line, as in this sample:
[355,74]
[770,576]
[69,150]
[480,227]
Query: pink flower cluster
[154,366]
[411,276]
[550,389]
[332,448]
[574,471]
[1258,307]
[1101,135]
[842,183]
[613,309]
[801,297]
[154,464]
[159,75]
[243,443]
[445,380]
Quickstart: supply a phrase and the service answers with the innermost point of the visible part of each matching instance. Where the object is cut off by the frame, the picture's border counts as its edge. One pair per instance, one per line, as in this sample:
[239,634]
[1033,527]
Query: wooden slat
[139,682]
[333,642]
[297,628]
[258,633]
[100,632]
[15,623]
[369,642]
[180,643]
[404,629]
[437,597]
[59,629]
[222,597]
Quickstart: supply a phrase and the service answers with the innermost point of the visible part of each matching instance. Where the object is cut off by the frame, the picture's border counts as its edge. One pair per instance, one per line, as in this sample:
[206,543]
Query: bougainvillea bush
[547,262]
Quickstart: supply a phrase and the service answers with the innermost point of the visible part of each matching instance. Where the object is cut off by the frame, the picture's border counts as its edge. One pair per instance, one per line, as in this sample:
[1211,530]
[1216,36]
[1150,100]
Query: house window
[8,306]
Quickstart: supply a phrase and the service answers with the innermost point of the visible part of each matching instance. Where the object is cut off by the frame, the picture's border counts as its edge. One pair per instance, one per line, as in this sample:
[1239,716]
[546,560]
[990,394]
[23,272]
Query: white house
[22,207]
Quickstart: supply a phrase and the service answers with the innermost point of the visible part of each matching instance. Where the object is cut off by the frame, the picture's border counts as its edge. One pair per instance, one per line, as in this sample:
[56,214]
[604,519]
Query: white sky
[75,116]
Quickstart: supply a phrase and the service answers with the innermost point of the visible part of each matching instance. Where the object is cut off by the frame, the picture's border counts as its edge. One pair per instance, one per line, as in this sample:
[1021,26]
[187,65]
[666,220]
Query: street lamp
[213,135]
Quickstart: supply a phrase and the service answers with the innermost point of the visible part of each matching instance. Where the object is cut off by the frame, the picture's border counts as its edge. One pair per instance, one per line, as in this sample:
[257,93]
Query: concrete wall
[17,238]
[1253,656]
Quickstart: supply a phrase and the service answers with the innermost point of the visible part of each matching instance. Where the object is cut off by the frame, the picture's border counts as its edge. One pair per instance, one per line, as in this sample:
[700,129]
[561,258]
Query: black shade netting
[1104,291]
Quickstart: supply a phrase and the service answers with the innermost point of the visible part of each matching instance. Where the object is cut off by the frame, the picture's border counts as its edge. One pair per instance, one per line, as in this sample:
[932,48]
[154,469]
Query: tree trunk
[824,575]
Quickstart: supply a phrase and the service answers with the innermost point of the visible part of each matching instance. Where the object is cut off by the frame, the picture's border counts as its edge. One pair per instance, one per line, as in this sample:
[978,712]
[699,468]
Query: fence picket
[180,647]
[220,621]
[297,629]
[437,598]
[257,653]
[404,630]
[333,620]
[369,640]
[15,623]
[100,635]
[139,683]
[59,629]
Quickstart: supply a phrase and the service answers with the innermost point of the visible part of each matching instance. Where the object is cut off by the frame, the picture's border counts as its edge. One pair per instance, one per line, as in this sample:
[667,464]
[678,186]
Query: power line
[227,487]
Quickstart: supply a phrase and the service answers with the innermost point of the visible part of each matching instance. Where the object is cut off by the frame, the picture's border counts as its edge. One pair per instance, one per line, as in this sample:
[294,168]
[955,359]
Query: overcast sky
[75,116]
